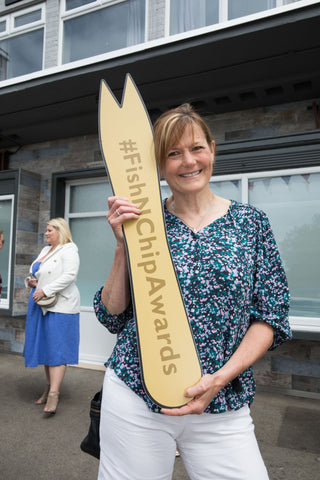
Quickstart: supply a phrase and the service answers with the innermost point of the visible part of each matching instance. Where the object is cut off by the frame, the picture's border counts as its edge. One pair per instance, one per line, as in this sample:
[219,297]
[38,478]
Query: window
[238,9]
[95,27]
[192,14]
[6,229]
[290,198]
[292,202]
[21,42]
[188,15]
[86,209]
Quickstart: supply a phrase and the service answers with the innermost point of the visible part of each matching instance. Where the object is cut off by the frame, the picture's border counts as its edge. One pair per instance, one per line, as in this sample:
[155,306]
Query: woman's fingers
[120,209]
[202,394]
[38,294]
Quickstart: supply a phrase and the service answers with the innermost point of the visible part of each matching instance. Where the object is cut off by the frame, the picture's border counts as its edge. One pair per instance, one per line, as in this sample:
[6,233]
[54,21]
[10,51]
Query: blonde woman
[52,333]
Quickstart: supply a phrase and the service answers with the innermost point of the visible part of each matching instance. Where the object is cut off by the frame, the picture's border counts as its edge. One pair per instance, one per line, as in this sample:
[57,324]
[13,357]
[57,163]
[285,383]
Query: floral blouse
[230,274]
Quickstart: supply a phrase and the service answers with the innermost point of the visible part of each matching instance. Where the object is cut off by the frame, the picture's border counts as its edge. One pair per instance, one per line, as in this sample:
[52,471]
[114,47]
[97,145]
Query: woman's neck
[198,211]
[191,205]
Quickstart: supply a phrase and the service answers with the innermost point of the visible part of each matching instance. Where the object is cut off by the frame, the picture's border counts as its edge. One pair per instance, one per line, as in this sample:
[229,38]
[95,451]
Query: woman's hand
[32,282]
[255,343]
[38,294]
[120,210]
[202,394]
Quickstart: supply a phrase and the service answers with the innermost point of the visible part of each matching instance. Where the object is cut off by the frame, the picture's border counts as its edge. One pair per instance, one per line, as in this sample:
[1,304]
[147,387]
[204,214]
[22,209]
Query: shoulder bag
[91,443]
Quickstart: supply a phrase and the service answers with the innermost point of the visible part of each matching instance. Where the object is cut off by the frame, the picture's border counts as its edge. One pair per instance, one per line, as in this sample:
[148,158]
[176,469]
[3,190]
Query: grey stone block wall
[294,366]
[52,33]
[156,19]
[263,122]
[27,245]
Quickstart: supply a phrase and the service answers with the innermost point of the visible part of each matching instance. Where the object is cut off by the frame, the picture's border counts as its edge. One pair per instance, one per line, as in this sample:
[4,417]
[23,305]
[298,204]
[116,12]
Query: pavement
[34,446]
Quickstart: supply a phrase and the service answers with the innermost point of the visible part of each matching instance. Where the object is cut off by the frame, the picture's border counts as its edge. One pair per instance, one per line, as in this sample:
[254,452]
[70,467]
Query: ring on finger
[117,212]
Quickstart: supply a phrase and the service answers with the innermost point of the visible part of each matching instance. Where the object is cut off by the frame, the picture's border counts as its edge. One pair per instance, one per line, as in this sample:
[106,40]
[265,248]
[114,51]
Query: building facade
[251,68]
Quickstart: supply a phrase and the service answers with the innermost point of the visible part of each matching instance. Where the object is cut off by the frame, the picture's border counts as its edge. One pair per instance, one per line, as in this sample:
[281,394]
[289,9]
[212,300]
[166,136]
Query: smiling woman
[236,298]
[186,157]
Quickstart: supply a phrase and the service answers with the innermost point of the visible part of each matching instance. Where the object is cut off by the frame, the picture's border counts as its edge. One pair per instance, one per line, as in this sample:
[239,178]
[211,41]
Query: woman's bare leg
[56,375]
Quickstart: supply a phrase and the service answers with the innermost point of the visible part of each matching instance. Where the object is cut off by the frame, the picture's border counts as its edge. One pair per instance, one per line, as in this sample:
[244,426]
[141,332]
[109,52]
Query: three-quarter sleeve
[270,300]
[113,322]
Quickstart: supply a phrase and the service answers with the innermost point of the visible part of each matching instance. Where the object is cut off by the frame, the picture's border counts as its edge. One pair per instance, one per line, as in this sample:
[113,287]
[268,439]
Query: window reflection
[21,54]
[89,198]
[292,203]
[104,30]
[230,189]
[71,4]
[238,9]
[91,232]
[6,213]
[188,15]
[27,18]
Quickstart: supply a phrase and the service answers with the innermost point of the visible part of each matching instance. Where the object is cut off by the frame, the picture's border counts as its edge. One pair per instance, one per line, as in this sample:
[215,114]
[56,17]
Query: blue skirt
[51,339]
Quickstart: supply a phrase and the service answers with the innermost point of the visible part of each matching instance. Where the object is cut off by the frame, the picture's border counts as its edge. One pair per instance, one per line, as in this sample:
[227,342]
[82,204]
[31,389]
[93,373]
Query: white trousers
[137,444]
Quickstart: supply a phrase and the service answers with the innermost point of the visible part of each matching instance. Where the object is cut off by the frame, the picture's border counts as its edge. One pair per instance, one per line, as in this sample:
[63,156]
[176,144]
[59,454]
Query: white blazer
[57,274]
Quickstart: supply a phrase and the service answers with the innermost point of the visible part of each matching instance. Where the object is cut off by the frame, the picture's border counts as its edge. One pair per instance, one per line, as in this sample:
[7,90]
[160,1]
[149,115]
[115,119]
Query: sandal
[44,396]
[52,402]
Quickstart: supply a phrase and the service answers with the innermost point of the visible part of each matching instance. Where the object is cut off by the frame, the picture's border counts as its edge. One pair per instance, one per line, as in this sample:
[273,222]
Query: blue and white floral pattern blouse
[230,274]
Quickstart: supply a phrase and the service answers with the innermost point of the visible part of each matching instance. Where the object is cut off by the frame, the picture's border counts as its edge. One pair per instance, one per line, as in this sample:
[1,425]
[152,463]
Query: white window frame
[223,17]
[298,324]
[12,31]
[88,181]
[5,302]
[93,214]
[88,8]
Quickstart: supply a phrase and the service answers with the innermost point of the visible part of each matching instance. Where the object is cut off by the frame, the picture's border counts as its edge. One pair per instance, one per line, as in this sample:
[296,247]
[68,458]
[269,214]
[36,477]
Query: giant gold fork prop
[168,357]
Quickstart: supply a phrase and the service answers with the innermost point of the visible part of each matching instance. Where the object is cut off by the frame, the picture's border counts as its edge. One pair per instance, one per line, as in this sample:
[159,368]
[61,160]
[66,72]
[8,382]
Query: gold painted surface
[168,355]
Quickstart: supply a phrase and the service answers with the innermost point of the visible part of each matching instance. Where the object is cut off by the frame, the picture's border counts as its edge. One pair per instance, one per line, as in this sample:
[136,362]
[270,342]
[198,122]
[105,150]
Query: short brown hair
[170,126]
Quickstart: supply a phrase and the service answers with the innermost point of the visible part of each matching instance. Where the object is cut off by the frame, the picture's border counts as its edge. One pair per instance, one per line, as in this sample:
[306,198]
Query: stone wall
[293,367]
[263,122]
[52,33]
[27,241]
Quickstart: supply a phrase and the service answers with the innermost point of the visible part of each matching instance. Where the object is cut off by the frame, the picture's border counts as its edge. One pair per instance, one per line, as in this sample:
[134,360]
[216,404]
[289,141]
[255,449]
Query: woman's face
[188,165]
[52,236]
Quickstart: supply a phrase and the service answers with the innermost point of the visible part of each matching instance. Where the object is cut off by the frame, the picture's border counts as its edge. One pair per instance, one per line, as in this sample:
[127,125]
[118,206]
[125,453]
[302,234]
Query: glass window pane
[90,198]
[2,26]
[165,191]
[21,54]
[293,205]
[6,206]
[104,30]
[188,15]
[96,243]
[27,18]
[71,4]
[242,8]
[230,189]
